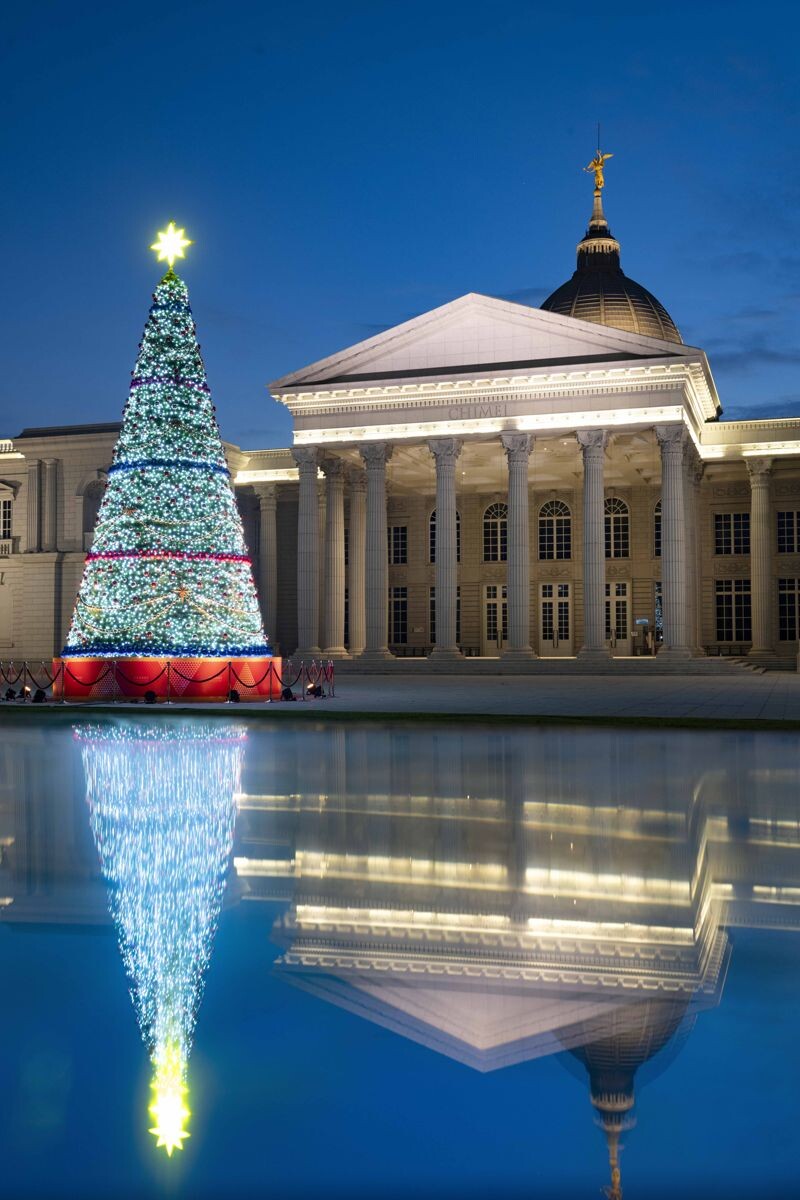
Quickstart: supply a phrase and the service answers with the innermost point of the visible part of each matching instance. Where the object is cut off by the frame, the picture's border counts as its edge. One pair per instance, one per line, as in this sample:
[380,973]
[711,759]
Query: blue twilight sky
[343,167]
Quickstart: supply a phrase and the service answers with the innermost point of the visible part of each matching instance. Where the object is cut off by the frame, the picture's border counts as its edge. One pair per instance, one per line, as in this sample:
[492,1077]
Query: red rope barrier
[193,678]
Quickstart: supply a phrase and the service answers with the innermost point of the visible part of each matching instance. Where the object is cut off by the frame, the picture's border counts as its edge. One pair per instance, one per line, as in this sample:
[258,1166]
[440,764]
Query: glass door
[555,620]
[618,619]
[495,619]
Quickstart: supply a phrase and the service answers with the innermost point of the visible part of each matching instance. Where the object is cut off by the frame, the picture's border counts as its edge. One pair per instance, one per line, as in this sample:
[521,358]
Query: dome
[601,292]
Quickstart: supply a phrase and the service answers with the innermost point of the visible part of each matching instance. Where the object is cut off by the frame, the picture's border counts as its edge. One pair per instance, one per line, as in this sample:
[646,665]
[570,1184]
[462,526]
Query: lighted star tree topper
[162,803]
[168,574]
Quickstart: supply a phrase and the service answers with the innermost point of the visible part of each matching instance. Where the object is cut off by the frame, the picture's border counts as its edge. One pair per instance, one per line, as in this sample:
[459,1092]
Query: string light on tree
[168,573]
[161,803]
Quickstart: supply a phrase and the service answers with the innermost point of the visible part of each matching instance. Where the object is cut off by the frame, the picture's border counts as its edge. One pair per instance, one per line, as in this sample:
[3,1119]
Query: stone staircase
[627,667]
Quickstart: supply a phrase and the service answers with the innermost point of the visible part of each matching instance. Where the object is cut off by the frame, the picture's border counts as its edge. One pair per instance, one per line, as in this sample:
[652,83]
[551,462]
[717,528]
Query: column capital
[267,494]
[445,449]
[671,438]
[517,446]
[759,470]
[592,442]
[357,479]
[376,454]
[306,456]
[332,468]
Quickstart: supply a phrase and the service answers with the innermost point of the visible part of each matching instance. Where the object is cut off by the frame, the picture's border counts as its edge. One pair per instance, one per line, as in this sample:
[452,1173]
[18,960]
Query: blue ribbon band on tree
[142,464]
[166,381]
[144,649]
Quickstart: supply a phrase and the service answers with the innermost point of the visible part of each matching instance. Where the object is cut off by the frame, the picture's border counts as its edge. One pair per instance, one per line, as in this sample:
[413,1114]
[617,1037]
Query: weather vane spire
[171,244]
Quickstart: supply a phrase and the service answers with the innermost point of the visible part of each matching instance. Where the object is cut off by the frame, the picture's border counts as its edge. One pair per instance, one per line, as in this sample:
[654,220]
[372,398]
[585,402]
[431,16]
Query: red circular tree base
[168,678]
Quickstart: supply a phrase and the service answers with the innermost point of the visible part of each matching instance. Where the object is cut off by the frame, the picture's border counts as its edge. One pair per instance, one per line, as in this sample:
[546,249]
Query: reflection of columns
[694,573]
[446,451]
[518,447]
[593,444]
[333,614]
[355,556]
[50,505]
[376,587]
[268,556]
[32,542]
[671,439]
[761,589]
[307,552]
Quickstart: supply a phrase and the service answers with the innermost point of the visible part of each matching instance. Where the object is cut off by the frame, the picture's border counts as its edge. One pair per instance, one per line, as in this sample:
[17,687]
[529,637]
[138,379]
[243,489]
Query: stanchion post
[228,698]
[169,680]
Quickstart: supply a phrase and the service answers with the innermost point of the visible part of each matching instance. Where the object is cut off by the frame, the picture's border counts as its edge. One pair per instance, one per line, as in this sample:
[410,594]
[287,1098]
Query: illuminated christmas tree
[162,803]
[168,574]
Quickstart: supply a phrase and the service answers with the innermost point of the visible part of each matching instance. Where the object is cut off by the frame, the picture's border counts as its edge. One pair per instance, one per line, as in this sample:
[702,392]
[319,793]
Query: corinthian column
[761,587]
[376,586]
[307,553]
[333,616]
[355,569]
[268,556]
[445,452]
[518,447]
[672,440]
[593,445]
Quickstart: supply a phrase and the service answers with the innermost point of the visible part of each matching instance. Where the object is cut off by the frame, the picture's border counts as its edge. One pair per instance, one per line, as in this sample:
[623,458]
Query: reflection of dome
[601,292]
[634,1036]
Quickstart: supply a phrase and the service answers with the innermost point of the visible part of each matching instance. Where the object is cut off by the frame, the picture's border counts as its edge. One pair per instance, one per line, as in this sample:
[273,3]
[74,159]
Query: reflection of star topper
[171,244]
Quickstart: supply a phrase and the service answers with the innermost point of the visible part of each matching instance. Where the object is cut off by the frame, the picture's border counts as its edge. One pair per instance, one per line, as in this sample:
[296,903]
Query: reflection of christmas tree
[168,573]
[161,799]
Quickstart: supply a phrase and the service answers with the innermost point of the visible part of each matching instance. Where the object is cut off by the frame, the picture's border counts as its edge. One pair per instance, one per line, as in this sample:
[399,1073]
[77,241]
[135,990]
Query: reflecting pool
[247,957]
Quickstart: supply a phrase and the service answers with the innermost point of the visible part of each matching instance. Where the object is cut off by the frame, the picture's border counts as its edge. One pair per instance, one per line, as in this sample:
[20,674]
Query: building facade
[487,480]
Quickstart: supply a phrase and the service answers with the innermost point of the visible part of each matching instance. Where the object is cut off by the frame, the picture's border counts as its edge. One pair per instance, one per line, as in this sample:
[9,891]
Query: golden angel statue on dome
[596,165]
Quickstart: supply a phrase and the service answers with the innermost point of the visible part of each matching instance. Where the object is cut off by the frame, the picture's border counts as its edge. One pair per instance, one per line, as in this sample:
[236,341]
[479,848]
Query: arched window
[618,538]
[657,531]
[495,533]
[555,530]
[432,537]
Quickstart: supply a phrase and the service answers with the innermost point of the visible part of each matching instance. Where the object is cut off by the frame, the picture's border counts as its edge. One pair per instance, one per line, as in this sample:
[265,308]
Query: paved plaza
[745,695]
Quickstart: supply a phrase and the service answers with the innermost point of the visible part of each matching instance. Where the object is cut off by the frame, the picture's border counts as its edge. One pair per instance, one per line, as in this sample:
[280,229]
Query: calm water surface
[361,960]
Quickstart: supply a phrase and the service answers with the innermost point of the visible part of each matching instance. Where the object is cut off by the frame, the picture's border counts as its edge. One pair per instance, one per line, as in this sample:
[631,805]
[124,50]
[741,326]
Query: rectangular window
[659,611]
[347,546]
[657,533]
[398,616]
[432,615]
[5,518]
[788,528]
[398,544]
[788,592]
[733,610]
[732,533]
[346,617]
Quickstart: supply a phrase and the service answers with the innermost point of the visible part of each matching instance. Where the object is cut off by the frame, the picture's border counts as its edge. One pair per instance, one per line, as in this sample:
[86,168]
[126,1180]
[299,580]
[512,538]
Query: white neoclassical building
[487,480]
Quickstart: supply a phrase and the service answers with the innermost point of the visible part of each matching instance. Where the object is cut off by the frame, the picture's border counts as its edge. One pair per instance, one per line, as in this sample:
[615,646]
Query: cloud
[726,356]
[529,295]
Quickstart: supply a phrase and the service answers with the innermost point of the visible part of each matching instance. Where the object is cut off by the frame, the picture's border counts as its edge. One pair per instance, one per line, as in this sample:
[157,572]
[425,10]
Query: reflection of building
[487,476]
[561,894]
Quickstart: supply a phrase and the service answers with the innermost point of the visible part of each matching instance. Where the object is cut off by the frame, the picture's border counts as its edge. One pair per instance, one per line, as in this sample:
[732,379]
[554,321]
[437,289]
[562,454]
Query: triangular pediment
[474,334]
[482,1027]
